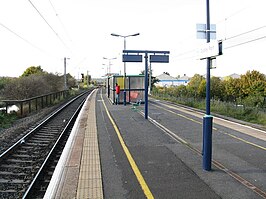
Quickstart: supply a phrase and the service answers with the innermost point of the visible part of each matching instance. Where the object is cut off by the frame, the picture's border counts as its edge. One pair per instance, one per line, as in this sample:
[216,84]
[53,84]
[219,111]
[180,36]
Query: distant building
[167,80]
[234,76]
[183,80]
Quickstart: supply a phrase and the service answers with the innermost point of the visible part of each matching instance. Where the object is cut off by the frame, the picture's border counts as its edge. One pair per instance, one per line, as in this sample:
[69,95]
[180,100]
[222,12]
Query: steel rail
[35,180]
[26,167]
[10,149]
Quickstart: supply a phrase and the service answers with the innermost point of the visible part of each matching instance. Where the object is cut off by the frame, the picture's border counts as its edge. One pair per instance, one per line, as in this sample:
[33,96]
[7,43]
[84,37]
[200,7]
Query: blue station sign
[159,58]
[132,58]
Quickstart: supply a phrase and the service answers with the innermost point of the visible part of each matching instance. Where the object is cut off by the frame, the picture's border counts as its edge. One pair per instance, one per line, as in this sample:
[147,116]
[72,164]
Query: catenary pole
[65,79]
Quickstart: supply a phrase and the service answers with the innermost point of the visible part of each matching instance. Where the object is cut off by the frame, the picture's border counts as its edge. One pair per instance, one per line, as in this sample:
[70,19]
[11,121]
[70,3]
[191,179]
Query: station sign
[211,49]
[159,58]
[132,58]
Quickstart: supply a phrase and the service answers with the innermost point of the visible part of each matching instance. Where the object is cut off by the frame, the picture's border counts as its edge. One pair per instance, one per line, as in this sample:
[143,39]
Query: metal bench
[136,105]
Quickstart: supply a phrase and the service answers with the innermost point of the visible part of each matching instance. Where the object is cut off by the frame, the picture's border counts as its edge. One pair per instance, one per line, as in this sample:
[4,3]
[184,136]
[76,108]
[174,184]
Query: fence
[35,103]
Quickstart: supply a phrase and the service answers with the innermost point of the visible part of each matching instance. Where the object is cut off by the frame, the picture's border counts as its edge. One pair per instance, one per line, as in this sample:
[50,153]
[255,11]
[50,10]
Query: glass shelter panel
[137,82]
[134,88]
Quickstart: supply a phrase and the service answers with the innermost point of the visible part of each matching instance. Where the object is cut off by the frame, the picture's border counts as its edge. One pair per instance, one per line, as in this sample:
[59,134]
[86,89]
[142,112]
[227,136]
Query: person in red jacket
[117,91]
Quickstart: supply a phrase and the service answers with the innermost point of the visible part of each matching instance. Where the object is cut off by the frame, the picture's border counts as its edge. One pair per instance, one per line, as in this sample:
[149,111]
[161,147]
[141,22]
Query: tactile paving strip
[90,179]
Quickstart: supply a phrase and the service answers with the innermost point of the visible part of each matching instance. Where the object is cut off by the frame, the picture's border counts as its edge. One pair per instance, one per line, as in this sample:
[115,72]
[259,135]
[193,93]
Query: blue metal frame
[146,52]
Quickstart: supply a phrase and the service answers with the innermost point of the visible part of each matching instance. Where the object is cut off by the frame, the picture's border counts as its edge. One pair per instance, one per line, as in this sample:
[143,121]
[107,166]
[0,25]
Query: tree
[194,84]
[217,88]
[71,81]
[253,86]
[253,83]
[201,91]
[4,81]
[232,89]
[25,87]
[182,91]
[33,70]
[54,83]
[34,85]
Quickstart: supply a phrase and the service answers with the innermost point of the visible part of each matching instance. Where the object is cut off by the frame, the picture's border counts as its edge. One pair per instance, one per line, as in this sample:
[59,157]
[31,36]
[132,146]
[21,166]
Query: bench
[136,105]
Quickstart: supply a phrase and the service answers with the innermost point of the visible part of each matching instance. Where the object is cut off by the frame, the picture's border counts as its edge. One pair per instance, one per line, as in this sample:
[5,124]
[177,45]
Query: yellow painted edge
[132,162]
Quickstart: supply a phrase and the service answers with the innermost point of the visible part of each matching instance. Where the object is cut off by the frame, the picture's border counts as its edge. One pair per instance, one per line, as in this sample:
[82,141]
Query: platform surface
[116,153]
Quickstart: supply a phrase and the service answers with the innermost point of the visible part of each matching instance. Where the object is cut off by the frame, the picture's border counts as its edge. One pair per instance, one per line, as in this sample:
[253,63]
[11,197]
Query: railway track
[27,166]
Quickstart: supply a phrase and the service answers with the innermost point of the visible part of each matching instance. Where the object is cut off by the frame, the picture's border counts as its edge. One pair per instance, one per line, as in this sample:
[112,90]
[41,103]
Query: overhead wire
[57,35]
[244,33]
[233,14]
[246,42]
[25,40]
[60,21]
[179,55]
[232,37]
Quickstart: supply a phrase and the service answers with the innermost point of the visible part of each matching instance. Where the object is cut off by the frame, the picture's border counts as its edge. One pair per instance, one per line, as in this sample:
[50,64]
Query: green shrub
[243,113]
[7,119]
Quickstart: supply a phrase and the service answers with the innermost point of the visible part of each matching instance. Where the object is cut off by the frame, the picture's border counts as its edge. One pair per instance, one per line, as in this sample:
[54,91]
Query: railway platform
[113,152]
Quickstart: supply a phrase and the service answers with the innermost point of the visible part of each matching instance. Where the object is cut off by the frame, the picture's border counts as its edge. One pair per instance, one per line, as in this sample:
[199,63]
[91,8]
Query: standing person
[117,91]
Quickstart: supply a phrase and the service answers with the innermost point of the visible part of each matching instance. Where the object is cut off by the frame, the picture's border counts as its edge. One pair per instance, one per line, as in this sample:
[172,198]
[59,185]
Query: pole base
[125,98]
[207,142]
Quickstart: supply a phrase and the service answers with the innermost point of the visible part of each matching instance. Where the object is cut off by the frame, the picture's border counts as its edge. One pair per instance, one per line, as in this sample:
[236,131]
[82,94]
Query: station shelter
[135,88]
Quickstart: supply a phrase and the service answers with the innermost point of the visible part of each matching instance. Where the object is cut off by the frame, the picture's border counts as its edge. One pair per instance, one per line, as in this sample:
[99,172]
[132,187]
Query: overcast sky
[34,32]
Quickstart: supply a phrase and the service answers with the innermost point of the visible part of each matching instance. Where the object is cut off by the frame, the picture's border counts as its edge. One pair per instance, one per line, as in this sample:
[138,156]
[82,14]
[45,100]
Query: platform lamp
[109,64]
[116,35]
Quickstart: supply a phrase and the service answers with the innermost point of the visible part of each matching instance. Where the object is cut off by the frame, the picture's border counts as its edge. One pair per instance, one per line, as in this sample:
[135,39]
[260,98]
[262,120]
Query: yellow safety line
[233,136]
[132,162]
[247,142]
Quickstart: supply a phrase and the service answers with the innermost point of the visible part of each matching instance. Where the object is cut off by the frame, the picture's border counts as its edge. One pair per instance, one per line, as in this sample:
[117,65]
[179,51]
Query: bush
[223,108]
[7,119]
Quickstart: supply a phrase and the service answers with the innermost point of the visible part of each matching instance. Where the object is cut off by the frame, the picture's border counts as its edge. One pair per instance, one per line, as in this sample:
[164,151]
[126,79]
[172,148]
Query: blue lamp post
[207,119]
[116,35]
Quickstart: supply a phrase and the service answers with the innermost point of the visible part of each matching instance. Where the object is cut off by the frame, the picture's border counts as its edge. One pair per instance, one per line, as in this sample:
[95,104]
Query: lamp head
[115,35]
[135,34]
